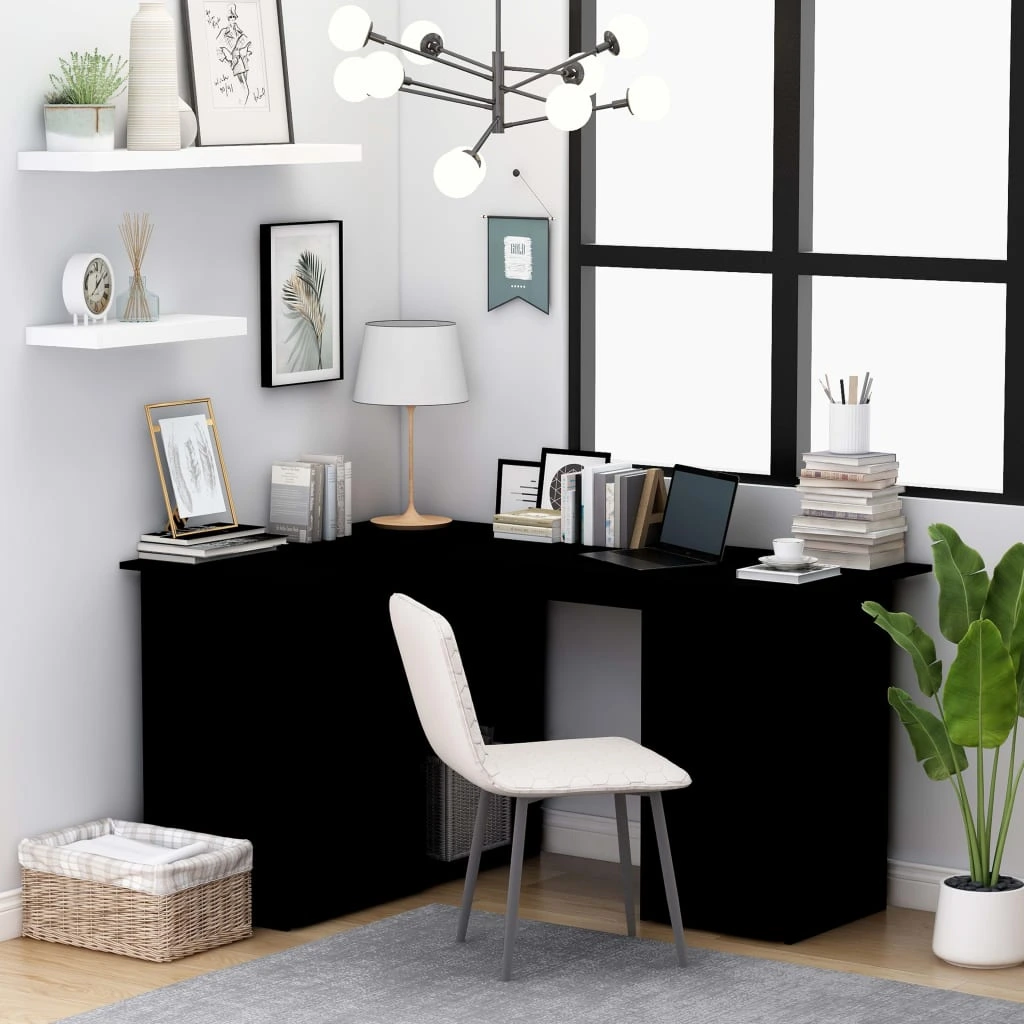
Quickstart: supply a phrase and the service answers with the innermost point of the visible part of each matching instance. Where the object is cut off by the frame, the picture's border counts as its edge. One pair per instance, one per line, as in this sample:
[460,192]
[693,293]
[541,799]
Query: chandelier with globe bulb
[567,106]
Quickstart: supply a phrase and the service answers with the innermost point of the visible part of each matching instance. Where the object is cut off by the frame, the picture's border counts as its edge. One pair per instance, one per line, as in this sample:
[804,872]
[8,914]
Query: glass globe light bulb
[593,73]
[383,74]
[649,98]
[349,82]
[457,173]
[349,28]
[413,36]
[630,33]
[568,107]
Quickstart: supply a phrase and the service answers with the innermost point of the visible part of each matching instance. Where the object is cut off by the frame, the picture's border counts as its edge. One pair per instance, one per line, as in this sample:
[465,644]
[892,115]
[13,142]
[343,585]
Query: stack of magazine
[207,545]
[534,524]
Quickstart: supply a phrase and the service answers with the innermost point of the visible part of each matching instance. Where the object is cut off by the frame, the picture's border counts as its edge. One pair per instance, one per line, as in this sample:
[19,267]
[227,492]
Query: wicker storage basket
[451,814]
[151,912]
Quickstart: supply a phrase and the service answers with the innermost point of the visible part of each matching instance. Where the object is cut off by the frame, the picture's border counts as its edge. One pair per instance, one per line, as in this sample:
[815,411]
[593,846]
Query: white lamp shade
[649,98]
[630,33]
[349,81]
[410,362]
[593,73]
[568,107]
[458,172]
[414,35]
[383,74]
[349,28]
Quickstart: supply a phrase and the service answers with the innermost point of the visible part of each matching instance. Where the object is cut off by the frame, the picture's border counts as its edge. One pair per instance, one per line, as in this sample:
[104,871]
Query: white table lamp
[410,363]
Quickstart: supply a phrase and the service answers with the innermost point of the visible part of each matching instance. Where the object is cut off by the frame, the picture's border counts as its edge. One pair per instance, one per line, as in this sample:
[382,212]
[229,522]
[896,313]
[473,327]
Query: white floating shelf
[194,156]
[115,334]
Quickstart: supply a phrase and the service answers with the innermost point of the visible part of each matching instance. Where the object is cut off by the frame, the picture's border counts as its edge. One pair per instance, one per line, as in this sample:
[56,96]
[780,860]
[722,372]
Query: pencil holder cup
[849,428]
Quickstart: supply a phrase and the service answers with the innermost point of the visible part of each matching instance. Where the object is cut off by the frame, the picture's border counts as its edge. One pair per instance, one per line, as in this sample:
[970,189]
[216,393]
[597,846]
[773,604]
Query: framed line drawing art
[518,261]
[300,302]
[190,462]
[517,485]
[554,462]
[239,72]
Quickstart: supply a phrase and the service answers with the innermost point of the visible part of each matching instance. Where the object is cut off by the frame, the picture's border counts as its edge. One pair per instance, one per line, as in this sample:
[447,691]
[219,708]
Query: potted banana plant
[975,706]
[78,113]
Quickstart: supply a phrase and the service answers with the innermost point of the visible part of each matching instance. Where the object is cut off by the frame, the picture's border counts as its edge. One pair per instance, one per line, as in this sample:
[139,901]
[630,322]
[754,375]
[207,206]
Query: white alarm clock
[88,286]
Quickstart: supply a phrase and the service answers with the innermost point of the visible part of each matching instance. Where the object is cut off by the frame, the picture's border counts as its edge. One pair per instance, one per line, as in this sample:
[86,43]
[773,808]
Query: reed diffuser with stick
[137,304]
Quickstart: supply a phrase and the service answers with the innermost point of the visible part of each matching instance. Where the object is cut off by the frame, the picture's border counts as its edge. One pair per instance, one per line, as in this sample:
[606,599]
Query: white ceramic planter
[78,127]
[979,929]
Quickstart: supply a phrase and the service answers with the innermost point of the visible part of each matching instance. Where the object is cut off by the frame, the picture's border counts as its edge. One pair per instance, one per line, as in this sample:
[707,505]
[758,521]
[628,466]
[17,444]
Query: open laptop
[697,515]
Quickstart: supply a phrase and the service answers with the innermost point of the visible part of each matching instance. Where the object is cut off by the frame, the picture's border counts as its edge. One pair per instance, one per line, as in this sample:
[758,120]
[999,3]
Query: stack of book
[162,546]
[537,524]
[851,513]
[311,498]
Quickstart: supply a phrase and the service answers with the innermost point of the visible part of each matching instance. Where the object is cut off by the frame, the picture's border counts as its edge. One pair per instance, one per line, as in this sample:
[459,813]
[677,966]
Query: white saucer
[786,563]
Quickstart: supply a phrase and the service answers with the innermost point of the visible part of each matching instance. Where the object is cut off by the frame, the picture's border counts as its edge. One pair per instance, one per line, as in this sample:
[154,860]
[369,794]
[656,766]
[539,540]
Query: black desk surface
[562,574]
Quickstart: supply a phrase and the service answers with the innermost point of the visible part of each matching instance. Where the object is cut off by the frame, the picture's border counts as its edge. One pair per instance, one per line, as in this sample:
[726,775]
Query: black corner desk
[275,708]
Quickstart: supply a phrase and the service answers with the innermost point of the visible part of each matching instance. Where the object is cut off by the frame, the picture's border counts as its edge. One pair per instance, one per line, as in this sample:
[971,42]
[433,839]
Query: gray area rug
[408,969]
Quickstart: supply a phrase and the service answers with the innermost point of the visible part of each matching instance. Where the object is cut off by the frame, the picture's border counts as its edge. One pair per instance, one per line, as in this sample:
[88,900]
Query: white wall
[79,481]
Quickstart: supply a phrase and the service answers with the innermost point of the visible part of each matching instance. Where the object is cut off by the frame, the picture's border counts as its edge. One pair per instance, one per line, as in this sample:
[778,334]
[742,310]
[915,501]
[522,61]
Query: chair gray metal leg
[515,878]
[625,861]
[669,875]
[476,848]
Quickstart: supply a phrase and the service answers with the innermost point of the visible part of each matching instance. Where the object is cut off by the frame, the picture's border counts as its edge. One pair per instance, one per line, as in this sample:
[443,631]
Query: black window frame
[790,262]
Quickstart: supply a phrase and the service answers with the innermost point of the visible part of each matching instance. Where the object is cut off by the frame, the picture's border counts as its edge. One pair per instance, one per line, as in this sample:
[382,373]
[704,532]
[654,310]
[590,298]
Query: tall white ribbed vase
[153,121]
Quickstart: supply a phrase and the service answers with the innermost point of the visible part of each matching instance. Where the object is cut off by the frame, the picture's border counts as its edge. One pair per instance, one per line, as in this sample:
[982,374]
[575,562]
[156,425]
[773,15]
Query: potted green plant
[979,920]
[78,114]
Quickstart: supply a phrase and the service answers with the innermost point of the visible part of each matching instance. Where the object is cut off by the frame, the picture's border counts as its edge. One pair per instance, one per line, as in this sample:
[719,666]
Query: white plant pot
[979,929]
[78,127]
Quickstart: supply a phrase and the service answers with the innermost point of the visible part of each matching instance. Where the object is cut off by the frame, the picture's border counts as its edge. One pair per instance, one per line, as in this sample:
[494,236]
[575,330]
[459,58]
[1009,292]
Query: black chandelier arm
[599,48]
[447,99]
[528,120]
[483,138]
[519,92]
[614,105]
[459,56]
[384,41]
[482,100]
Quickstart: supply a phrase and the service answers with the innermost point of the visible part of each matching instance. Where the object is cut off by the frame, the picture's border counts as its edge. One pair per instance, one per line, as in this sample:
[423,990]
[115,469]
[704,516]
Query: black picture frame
[238,73]
[513,485]
[301,293]
[554,461]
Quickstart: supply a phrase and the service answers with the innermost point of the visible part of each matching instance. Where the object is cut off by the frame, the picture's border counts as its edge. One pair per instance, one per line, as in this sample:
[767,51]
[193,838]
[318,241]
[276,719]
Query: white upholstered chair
[526,771]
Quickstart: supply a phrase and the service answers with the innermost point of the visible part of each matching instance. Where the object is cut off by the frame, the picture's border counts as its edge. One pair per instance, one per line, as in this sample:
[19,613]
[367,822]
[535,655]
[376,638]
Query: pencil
[842,390]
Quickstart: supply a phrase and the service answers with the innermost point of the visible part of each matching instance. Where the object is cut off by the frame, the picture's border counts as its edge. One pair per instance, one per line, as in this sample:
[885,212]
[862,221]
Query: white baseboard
[915,886]
[10,914]
[586,835]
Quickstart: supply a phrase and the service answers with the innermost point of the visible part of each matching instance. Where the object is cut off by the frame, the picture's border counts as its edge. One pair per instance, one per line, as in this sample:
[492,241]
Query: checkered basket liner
[157,912]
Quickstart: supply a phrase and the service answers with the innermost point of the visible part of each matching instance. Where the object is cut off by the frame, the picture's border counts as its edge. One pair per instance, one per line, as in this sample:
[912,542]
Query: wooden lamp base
[410,519]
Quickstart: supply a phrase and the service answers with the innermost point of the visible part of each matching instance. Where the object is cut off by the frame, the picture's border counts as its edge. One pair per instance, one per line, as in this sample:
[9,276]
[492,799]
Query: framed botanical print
[193,477]
[300,302]
[239,72]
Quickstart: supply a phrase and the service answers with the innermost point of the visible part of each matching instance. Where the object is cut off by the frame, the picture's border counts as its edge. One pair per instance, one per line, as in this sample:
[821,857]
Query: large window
[831,193]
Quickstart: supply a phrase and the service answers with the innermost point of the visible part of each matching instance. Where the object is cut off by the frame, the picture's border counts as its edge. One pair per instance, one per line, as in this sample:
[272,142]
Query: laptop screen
[698,511]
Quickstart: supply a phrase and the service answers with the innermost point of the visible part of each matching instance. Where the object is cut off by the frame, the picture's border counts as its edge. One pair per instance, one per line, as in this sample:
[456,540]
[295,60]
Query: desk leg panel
[783,832]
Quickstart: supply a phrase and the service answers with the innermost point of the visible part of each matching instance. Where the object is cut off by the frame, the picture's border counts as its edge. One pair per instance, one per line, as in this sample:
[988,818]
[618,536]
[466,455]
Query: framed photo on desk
[556,461]
[517,485]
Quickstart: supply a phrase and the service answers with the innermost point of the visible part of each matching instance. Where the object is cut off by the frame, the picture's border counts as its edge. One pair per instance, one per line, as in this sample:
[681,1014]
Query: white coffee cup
[788,549]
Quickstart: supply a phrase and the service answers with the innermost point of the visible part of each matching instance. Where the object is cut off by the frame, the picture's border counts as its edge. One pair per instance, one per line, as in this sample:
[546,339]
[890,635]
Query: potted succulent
[78,114]
[979,920]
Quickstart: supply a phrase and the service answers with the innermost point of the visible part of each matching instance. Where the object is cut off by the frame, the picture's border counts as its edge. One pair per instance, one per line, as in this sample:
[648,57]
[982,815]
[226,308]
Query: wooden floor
[42,982]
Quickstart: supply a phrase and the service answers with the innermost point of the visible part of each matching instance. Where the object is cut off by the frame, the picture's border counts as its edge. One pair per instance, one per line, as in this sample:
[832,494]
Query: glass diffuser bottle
[137,304]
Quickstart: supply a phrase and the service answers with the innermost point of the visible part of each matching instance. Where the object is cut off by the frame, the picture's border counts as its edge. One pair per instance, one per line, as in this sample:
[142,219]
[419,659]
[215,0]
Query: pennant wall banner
[518,261]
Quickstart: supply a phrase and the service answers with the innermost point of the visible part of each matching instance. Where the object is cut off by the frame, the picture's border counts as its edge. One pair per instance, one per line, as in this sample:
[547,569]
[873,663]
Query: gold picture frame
[189,459]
